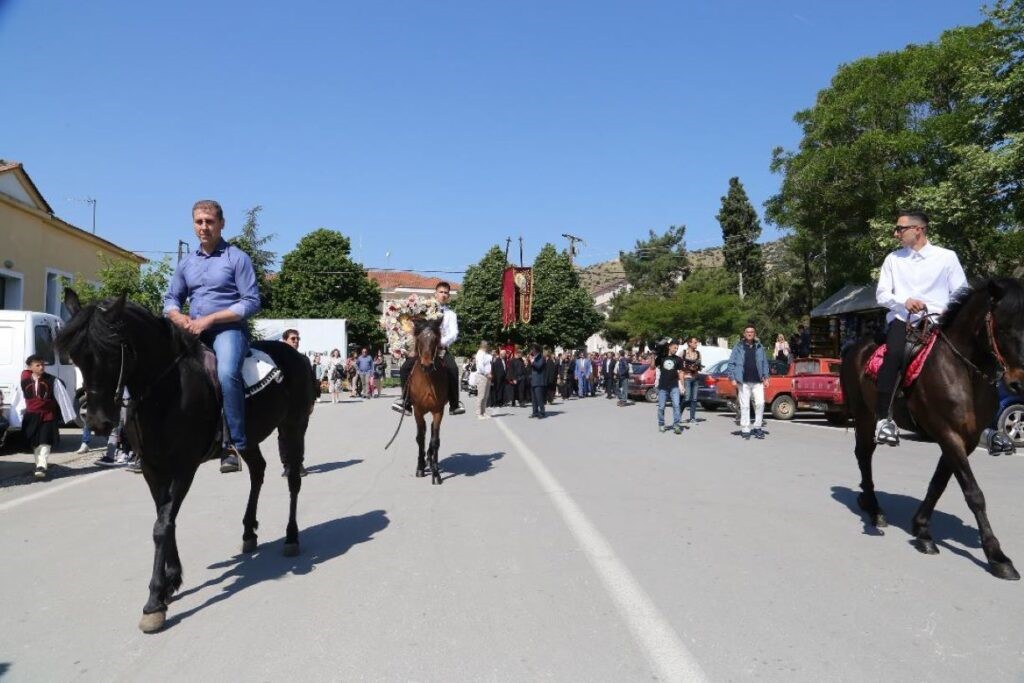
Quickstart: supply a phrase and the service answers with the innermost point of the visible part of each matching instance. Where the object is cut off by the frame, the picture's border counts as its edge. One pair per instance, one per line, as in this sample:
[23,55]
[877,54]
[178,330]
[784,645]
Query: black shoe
[1000,444]
[397,407]
[107,460]
[456,410]
[759,434]
[229,461]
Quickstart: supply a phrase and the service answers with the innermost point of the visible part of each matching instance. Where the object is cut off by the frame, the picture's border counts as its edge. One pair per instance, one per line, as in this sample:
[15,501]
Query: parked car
[816,387]
[778,395]
[641,382]
[1010,416]
[707,386]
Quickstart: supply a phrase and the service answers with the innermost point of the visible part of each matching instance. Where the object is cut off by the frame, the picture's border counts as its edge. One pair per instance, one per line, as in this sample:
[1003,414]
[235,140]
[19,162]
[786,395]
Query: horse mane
[1012,298]
[89,331]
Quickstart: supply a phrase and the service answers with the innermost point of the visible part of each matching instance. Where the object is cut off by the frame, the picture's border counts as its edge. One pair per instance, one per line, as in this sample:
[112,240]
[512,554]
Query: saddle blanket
[914,368]
[258,371]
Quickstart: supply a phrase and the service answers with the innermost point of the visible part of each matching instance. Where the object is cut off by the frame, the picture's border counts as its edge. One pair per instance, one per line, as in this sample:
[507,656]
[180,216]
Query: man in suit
[538,367]
[551,374]
[517,379]
[499,370]
[583,371]
[608,373]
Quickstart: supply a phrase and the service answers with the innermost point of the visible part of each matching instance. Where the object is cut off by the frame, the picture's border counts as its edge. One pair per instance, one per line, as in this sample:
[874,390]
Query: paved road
[583,547]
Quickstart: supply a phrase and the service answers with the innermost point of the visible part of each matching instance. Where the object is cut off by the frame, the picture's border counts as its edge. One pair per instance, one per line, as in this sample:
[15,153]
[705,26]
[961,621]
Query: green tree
[478,304]
[740,230]
[144,285]
[253,243]
[563,312]
[656,265]
[318,279]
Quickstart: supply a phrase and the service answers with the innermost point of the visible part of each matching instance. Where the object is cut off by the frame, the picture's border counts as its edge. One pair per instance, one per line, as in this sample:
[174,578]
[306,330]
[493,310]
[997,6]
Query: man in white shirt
[483,379]
[917,279]
[449,334]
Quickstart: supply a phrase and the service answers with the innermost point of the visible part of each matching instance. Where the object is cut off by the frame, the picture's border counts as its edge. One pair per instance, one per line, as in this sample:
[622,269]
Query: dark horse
[174,418]
[428,391]
[981,338]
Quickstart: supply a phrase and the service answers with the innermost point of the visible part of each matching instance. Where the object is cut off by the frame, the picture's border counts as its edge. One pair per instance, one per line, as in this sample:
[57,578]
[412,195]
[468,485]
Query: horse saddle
[920,341]
[258,371]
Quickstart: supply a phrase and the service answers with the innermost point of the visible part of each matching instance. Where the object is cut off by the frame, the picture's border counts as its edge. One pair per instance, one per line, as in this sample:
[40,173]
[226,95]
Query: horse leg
[421,432]
[865,450]
[166,578]
[257,466]
[999,564]
[920,527]
[291,439]
[435,446]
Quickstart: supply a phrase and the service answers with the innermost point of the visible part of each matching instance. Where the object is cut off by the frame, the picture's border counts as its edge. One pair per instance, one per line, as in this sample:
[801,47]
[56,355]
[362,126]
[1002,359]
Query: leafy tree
[318,279]
[656,265]
[478,304]
[563,311]
[252,243]
[145,285]
[740,230]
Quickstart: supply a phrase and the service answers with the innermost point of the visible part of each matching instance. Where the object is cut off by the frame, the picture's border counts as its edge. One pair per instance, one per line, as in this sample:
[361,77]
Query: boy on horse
[219,283]
[917,279]
[449,334]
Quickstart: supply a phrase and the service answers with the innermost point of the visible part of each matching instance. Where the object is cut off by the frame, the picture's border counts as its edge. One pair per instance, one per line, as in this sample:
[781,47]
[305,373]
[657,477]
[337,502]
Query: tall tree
[659,263]
[563,311]
[740,230]
[318,279]
[478,304]
[253,243]
[145,285]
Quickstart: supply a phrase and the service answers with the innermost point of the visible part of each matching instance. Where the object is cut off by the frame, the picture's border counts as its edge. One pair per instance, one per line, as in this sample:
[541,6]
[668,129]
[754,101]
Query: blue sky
[432,130]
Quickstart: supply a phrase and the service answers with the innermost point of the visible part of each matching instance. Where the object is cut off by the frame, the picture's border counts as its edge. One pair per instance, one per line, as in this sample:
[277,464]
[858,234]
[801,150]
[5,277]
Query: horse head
[1005,329]
[427,333]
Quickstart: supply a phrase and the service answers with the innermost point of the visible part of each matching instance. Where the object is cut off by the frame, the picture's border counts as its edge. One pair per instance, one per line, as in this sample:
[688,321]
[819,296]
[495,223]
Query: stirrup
[887,433]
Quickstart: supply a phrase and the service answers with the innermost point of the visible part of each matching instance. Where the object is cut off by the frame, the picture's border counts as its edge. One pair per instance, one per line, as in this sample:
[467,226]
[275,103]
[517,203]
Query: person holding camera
[670,372]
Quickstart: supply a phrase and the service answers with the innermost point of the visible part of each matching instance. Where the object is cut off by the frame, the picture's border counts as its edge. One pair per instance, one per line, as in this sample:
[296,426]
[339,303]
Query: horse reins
[119,391]
[990,328]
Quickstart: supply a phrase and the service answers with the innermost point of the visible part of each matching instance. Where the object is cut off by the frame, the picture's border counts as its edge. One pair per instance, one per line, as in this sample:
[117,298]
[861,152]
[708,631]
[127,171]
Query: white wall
[316,335]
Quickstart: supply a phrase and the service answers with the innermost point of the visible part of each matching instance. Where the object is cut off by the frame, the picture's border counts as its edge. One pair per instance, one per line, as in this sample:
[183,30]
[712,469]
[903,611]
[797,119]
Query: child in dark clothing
[40,403]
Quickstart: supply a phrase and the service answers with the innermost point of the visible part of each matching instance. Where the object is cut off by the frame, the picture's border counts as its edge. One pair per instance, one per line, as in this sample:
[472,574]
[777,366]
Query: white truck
[26,333]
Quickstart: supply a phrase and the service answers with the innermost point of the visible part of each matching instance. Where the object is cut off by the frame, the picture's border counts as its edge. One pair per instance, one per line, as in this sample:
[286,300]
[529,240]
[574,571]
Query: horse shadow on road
[468,465]
[323,467]
[320,543]
[899,511]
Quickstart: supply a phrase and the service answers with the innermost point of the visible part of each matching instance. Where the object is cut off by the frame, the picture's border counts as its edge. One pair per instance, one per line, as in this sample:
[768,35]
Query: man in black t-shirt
[670,372]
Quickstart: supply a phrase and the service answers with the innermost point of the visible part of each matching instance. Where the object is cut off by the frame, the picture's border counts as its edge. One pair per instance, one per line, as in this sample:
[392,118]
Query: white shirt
[449,327]
[483,363]
[19,405]
[931,274]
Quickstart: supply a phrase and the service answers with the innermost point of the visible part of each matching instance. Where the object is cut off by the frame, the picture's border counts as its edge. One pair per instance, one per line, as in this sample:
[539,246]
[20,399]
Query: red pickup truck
[819,390]
[780,394]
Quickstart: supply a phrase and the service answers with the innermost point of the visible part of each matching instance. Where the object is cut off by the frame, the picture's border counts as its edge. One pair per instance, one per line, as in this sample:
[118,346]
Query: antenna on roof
[87,200]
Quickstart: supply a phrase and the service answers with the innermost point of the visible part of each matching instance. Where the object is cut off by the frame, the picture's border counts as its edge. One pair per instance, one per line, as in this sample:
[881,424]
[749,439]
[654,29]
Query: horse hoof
[291,549]
[151,623]
[436,481]
[420,473]
[248,545]
[926,546]
[881,521]
[1005,570]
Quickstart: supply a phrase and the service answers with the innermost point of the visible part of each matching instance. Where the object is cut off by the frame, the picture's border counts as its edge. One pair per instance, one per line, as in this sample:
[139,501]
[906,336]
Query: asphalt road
[585,547]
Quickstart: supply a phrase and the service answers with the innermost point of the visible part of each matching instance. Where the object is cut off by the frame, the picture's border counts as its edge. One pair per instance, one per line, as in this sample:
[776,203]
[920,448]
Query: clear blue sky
[430,129]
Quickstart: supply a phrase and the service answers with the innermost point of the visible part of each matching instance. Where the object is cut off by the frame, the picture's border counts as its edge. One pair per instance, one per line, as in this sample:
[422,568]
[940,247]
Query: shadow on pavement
[25,474]
[899,511]
[4,668]
[331,466]
[467,465]
[320,543]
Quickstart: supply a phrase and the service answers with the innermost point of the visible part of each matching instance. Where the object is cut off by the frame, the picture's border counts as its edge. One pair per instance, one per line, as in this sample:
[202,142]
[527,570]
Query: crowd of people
[361,375]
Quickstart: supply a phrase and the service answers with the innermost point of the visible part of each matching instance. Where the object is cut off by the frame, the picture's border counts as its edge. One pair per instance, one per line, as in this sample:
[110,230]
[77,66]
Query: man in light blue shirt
[219,283]
[364,369]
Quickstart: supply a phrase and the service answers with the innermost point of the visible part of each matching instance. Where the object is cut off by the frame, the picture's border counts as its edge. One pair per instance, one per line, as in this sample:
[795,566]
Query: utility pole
[182,252]
[573,239]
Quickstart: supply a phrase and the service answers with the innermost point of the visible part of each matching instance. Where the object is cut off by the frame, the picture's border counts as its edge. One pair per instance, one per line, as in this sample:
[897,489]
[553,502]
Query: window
[44,343]
[55,283]
[10,290]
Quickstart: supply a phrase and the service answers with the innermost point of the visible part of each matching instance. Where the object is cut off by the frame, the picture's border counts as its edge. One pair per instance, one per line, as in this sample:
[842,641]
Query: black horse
[174,418]
[981,338]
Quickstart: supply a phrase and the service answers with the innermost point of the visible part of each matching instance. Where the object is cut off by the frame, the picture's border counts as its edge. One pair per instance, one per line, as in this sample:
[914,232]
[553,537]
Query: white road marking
[51,489]
[667,654]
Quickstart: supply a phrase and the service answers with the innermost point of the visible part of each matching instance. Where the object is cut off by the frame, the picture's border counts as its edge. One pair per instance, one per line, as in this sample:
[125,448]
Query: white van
[22,334]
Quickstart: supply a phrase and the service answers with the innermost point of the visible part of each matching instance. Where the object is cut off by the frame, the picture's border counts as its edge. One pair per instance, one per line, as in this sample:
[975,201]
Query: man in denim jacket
[748,370]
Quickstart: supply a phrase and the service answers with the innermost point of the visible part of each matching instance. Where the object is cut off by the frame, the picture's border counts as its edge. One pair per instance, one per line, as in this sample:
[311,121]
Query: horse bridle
[119,401]
[990,329]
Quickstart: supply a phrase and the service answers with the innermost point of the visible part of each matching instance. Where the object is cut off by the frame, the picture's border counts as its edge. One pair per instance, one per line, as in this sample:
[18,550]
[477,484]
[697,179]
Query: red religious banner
[508,297]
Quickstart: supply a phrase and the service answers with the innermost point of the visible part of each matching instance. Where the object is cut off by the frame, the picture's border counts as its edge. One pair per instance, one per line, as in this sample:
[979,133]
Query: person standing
[538,374]
[916,279]
[583,369]
[483,380]
[622,377]
[805,341]
[364,368]
[781,351]
[670,372]
[748,370]
[550,375]
[380,367]
[40,405]
[498,371]
[691,366]
[608,374]
[516,380]
[333,371]
[219,284]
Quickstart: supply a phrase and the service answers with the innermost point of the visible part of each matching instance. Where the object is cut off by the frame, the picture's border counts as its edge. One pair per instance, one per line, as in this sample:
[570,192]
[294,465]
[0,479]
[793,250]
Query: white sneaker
[84,448]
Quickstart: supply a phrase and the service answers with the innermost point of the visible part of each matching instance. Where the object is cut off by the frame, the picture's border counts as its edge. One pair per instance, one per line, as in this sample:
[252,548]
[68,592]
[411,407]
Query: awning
[849,299]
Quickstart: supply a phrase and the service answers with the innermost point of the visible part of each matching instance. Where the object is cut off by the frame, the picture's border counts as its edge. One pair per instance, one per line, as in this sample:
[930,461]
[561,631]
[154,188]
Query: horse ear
[114,311]
[71,301]
[996,290]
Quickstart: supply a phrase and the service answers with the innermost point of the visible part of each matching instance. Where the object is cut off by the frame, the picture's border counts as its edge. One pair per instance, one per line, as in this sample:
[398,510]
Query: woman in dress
[332,372]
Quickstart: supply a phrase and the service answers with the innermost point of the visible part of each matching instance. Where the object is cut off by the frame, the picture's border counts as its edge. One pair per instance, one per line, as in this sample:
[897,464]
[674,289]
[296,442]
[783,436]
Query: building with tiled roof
[398,284]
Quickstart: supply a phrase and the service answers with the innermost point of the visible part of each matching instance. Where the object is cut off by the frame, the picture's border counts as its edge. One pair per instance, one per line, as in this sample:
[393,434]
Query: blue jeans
[691,396]
[623,389]
[584,386]
[663,395]
[231,347]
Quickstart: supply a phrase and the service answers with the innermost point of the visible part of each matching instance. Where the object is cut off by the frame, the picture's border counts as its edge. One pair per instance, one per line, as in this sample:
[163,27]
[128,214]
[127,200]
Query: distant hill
[600,276]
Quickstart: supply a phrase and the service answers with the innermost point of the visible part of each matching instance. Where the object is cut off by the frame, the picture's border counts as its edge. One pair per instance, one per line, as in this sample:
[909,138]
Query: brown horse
[981,338]
[428,391]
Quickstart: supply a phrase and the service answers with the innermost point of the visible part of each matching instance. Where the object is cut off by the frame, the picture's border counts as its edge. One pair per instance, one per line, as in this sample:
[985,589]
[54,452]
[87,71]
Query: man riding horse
[449,334]
[220,285]
[916,280]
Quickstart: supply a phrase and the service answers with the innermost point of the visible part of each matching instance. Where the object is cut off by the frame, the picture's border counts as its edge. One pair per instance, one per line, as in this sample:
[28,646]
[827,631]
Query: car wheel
[783,408]
[710,407]
[1011,423]
[651,395]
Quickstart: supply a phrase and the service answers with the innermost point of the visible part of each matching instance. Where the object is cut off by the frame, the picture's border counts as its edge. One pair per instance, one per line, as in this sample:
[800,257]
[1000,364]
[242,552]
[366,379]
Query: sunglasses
[901,228]
[294,339]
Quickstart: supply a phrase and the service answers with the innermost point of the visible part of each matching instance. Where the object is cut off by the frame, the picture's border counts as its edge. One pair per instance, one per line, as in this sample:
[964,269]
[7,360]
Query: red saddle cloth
[874,363]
